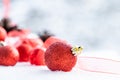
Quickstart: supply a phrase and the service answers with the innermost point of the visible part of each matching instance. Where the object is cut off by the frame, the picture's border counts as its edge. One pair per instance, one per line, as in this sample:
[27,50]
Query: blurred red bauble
[52,40]
[34,42]
[3,34]
[37,57]
[9,55]
[22,33]
[24,52]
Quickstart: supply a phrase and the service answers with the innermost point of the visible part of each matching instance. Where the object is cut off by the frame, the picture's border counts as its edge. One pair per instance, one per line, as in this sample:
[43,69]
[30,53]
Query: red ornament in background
[3,34]
[37,56]
[21,33]
[9,55]
[24,52]
[52,40]
[34,42]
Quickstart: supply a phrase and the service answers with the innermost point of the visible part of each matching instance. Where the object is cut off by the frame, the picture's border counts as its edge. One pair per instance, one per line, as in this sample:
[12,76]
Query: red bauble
[24,52]
[9,55]
[22,33]
[33,42]
[59,57]
[52,40]
[37,56]
[3,34]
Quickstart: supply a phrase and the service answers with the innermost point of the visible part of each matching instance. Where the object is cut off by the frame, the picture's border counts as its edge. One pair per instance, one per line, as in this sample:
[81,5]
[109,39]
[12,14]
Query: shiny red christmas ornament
[37,57]
[9,55]
[24,52]
[34,42]
[52,40]
[59,56]
[3,34]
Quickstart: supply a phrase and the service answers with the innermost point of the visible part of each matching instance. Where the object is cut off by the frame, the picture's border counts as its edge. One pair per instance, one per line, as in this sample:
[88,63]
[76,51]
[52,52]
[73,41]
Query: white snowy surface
[25,71]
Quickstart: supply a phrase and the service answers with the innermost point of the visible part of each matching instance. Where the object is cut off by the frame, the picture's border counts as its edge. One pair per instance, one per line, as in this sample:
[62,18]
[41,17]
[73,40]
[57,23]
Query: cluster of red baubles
[21,46]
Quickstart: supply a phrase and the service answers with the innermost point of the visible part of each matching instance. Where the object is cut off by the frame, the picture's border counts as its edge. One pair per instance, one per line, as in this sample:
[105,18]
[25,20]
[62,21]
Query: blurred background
[94,24]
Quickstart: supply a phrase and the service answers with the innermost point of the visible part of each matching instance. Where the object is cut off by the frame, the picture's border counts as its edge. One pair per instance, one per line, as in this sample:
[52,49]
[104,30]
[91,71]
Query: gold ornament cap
[76,50]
